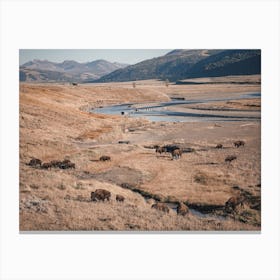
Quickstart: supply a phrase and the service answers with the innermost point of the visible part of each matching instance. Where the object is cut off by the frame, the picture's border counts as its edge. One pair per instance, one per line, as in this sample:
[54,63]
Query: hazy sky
[129,56]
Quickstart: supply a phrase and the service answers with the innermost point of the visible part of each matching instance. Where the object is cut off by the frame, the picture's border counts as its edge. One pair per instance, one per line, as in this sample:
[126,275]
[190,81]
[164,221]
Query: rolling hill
[182,64]
[66,71]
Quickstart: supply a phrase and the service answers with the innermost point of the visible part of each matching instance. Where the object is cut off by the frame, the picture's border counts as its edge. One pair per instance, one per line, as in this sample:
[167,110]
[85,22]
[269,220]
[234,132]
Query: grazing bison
[127,186]
[219,146]
[230,158]
[55,163]
[100,194]
[182,209]
[171,148]
[119,198]
[123,142]
[233,202]
[65,164]
[46,165]
[104,158]
[239,143]
[161,207]
[74,84]
[35,162]
[176,154]
[161,150]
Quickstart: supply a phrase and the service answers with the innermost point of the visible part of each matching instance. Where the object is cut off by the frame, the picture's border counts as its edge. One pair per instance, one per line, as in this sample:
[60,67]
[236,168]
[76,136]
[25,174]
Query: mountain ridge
[68,71]
[182,64]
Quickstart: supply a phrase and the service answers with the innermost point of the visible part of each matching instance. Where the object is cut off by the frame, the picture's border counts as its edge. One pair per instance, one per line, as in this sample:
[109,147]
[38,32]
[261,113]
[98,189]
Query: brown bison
[239,143]
[100,194]
[161,150]
[104,158]
[46,165]
[182,209]
[119,198]
[67,165]
[35,162]
[176,154]
[233,202]
[219,146]
[161,207]
[230,158]
[55,163]
[71,165]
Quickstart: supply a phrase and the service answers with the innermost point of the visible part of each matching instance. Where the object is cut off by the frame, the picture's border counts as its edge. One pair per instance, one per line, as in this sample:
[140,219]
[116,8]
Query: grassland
[55,124]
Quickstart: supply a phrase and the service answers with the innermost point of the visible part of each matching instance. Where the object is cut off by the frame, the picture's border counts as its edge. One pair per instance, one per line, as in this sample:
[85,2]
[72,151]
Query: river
[158,111]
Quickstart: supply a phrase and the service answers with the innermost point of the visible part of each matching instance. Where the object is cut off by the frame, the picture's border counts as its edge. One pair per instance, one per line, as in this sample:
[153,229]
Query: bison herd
[65,164]
[174,150]
[102,195]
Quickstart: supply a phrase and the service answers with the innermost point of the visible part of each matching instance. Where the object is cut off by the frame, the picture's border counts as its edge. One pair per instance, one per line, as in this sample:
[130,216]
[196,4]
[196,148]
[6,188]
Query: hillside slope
[181,64]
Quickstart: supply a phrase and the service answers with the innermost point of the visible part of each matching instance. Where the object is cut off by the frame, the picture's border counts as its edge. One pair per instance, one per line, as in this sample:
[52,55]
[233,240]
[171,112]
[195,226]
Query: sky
[129,56]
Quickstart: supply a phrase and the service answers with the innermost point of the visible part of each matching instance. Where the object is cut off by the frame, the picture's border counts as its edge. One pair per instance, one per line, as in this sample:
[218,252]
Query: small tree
[166,82]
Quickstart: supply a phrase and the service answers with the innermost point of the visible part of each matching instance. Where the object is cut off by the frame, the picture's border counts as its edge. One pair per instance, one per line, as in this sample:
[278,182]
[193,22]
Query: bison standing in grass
[100,194]
[219,146]
[239,143]
[176,154]
[66,164]
[104,158]
[35,162]
[119,198]
[182,209]
[233,202]
[46,165]
[55,163]
[230,158]
[161,207]
[161,150]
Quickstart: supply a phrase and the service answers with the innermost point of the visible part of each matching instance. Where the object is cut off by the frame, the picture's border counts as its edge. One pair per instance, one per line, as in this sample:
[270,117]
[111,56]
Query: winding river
[159,112]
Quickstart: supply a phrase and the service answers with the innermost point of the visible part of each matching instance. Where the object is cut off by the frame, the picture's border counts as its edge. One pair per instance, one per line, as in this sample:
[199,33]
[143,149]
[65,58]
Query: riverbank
[55,125]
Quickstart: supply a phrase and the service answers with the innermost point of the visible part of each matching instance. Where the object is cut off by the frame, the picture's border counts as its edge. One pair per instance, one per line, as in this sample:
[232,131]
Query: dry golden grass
[55,124]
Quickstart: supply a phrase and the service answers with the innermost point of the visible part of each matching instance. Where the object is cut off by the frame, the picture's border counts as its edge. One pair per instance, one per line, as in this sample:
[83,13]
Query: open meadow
[214,185]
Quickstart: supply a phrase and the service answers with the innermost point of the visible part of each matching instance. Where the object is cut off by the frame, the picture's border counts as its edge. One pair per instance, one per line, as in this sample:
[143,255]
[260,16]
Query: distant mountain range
[174,66]
[67,71]
[183,64]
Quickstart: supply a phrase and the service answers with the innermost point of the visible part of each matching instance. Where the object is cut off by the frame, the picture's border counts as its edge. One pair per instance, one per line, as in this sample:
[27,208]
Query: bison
[100,194]
[46,165]
[161,207]
[239,143]
[233,202]
[176,154]
[69,165]
[182,209]
[161,150]
[55,163]
[230,158]
[219,146]
[104,158]
[171,148]
[65,164]
[119,198]
[35,162]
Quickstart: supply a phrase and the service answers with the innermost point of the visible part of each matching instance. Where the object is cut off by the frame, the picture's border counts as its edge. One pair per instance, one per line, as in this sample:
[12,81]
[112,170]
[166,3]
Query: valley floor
[55,124]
